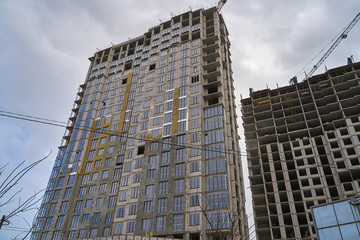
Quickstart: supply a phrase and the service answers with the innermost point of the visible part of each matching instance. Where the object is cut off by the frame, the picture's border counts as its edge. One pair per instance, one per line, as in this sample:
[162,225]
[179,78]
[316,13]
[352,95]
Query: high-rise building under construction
[152,148]
[303,147]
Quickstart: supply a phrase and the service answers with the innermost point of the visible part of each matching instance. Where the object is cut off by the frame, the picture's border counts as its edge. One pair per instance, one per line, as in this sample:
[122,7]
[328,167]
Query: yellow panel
[175,111]
[124,103]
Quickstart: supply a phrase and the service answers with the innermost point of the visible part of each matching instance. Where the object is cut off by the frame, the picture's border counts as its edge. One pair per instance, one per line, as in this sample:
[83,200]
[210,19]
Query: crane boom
[335,44]
[221,4]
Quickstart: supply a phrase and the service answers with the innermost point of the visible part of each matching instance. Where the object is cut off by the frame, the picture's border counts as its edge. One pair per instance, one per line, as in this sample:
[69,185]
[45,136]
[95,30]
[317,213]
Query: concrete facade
[152,148]
[303,147]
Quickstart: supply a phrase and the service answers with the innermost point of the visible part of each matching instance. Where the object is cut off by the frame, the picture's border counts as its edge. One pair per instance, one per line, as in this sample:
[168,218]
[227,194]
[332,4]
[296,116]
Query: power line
[57,123]
[23,115]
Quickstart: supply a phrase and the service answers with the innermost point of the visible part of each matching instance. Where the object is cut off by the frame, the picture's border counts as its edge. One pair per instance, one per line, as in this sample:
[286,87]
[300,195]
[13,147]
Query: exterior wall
[303,150]
[169,91]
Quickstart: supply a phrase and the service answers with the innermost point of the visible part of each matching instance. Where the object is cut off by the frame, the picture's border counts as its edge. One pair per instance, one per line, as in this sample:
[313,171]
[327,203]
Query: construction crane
[342,36]
[221,4]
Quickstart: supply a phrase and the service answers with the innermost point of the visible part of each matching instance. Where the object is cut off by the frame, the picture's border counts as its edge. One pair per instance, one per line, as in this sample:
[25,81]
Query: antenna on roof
[190,8]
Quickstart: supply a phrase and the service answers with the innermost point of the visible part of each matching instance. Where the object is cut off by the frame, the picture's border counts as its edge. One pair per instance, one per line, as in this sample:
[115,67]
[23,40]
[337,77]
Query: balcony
[211,46]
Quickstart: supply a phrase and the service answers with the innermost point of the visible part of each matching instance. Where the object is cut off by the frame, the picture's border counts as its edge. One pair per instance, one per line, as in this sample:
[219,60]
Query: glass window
[325,216]
[344,212]
[160,223]
[178,222]
[179,202]
[162,205]
[194,219]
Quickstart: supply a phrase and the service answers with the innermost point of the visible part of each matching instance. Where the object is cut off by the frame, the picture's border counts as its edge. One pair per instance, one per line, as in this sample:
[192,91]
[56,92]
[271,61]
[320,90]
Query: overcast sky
[45,45]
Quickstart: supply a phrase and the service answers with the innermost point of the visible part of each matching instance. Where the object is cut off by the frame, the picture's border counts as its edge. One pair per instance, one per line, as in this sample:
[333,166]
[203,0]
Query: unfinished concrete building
[303,150]
[151,147]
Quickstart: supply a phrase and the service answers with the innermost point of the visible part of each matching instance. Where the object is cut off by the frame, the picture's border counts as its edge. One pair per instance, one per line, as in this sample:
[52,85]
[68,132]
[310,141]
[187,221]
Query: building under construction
[152,147]
[303,147]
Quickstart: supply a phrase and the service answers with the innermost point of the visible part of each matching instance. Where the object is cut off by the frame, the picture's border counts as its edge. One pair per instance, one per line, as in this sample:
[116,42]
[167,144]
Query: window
[182,127]
[127,167]
[102,187]
[136,178]
[180,169]
[194,182]
[132,209]
[154,145]
[82,192]
[61,181]
[153,161]
[180,154]
[160,223]
[217,220]
[163,188]
[91,155]
[138,163]
[214,136]
[194,219]
[92,189]
[194,166]
[125,181]
[145,225]
[195,111]
[194,151]
[178,222]
[117,173]
[79,206]
[194,100]
[59,221]
[151,173]
[179,185]
[179,202]
[215,166]
[164,172]
[214,123]
[85,179]
[99,202]
[95,176]
[75,221]
[217,200]
[118,228]
[105,174]
[48,222]
[165,157]
[214,151]
[93,232]
[148,206]
[63,206]
[194,200]
[114,187]
[149,190]
[166,143]
[130,226]
[94,143]
[103,140]
[162,205]
[215,183]
[52,208]
[88,203]
[135,192]
[67,193]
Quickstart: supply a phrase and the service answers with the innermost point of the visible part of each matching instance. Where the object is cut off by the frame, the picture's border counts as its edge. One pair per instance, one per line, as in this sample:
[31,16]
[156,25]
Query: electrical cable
[50,122]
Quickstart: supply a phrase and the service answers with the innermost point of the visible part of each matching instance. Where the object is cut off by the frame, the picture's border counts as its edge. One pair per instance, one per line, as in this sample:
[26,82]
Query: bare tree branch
[7,186]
